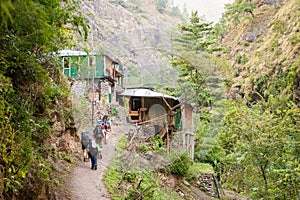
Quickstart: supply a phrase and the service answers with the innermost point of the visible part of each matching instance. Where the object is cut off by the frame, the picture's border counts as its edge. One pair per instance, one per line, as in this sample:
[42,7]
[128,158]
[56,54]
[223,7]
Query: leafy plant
[260,145]
[180,163]
[241,59]
[31,86]
[157,143]
[114,110]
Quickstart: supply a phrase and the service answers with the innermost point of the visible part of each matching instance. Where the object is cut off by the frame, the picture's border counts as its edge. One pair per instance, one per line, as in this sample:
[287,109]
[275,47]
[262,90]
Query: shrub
[180,164]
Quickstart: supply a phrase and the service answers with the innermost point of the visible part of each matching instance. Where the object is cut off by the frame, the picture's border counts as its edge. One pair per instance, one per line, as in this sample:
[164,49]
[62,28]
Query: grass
[199,168]
[122,142]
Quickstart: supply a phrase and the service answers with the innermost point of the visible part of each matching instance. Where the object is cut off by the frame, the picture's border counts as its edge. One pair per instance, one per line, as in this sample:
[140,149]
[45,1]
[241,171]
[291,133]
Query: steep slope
[133,31]
[260,136]
[264,51]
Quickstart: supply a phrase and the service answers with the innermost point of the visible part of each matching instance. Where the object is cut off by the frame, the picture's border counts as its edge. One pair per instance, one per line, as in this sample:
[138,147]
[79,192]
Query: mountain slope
[264,51]
[134,31]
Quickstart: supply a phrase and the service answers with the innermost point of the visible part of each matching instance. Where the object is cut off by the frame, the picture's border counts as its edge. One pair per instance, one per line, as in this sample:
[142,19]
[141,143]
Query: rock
[186,183]
[271,2]
[251,36]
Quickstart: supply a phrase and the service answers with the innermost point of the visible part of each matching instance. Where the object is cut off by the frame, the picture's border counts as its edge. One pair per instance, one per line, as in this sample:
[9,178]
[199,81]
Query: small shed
[146,105]
[162,114]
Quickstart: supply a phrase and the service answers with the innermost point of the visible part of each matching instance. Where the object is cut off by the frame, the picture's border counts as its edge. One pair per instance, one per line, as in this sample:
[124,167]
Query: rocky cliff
[133,31]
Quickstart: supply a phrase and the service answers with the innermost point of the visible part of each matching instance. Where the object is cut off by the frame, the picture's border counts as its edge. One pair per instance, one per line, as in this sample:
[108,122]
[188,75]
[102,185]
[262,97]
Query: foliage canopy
[30,85]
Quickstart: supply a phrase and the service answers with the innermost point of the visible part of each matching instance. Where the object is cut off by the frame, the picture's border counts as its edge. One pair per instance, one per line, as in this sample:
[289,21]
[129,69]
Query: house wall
[148,102]
[108,66]
[187,119]
[79,88]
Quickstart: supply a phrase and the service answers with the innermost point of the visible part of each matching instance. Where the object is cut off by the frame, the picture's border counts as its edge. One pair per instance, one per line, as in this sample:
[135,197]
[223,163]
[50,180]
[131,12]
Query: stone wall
[205,182]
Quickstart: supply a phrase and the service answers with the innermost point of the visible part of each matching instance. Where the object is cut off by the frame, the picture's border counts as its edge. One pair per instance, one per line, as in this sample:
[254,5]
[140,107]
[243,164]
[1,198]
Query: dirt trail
[87,184]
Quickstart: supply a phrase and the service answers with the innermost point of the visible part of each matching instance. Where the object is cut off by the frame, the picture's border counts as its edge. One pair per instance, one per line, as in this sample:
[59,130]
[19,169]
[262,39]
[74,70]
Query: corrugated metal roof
[83,53]
[145,93]
[71,53]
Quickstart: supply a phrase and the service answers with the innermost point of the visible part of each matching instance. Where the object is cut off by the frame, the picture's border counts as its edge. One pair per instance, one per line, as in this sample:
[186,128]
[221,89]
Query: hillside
[264,51]
[133,31]
[259,141]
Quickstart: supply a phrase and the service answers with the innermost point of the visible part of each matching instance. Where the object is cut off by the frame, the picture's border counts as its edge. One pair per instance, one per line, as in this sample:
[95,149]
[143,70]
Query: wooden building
[162,114]
[146,105]
[95,69]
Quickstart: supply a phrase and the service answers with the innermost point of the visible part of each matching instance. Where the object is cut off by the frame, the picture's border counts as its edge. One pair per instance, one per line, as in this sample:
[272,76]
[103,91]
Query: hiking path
[87,184]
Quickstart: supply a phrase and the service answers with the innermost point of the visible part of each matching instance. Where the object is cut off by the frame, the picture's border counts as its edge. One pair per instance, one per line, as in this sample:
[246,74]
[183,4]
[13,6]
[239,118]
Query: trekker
[98,133]
[93,154]
[108,125]
[85,138]
[104,130]
[105,117]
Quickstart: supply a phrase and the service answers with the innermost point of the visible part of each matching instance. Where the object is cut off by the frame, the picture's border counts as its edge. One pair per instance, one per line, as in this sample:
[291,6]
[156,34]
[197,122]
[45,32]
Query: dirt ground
[87,184]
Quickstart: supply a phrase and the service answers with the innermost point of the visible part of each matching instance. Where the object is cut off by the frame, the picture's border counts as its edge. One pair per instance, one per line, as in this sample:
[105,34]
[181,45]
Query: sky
[211,9]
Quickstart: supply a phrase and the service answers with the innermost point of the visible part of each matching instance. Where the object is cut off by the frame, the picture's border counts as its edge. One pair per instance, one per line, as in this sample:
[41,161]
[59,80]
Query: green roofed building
[97,70]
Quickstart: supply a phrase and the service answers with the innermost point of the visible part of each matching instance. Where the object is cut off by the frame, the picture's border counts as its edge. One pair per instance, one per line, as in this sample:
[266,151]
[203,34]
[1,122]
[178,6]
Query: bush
[180,164]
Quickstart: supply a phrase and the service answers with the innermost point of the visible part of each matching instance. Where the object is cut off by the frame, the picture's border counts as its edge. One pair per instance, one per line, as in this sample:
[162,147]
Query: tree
[237,10]
[199,83]
[191,58]
[30,84]
[261,151]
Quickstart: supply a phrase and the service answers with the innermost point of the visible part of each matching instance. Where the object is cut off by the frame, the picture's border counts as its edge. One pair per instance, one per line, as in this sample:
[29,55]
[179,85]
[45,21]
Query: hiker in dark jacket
[98,133]
[93,154]
[85,139]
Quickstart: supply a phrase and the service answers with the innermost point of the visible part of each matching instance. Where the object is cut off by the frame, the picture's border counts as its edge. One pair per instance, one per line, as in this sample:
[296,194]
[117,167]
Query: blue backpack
[85,138]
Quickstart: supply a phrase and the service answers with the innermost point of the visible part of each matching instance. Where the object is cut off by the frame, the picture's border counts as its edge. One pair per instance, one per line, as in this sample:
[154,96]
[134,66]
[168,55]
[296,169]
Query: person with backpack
[98,134]
[108,125]
[85,139]
[104,131]
[93,154]
[105,117]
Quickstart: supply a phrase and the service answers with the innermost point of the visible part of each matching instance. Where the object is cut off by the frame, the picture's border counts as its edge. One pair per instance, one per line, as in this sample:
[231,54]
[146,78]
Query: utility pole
[99,89]
[93,90]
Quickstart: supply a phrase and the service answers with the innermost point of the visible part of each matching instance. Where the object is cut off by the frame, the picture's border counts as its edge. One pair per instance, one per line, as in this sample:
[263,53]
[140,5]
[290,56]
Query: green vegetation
[262,150]
[125,182]
[155,144]
[241,59]
[114,110]
[122,142]
[198,168]
[239,11]
[180,163]
[136,185]
[121,3]
[255,150]
[30,89]
[191,59]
